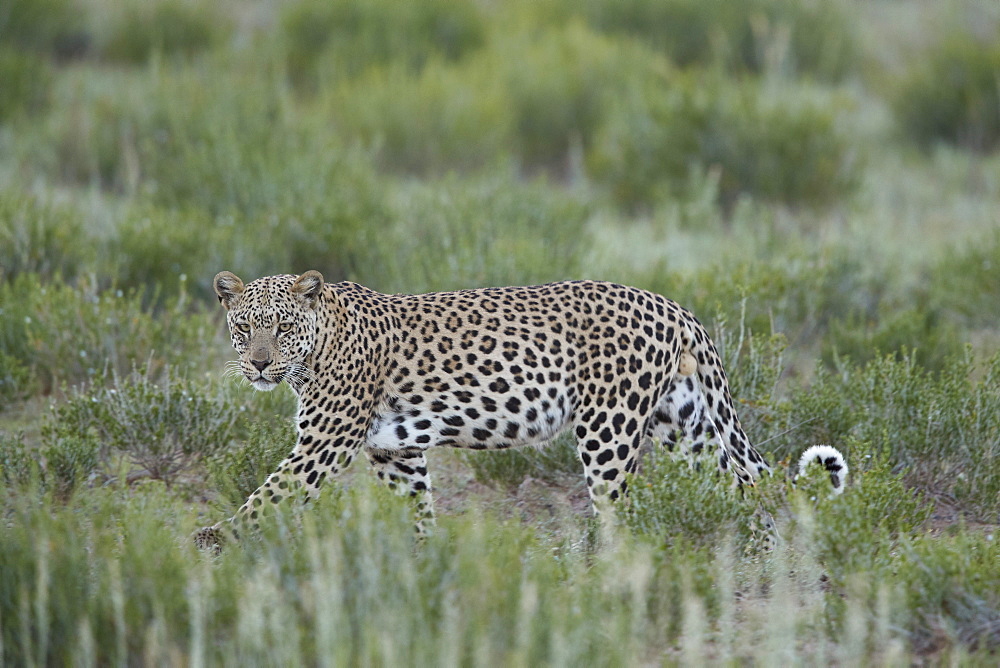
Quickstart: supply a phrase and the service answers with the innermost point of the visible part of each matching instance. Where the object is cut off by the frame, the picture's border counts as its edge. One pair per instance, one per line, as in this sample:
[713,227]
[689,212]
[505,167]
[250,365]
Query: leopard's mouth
[262,384]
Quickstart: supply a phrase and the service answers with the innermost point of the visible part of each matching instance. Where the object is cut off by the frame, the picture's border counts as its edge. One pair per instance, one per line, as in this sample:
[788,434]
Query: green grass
[757,163]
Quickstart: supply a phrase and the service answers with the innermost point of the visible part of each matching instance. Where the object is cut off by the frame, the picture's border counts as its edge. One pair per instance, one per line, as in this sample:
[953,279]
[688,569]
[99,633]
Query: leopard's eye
[243,327]
[284,327]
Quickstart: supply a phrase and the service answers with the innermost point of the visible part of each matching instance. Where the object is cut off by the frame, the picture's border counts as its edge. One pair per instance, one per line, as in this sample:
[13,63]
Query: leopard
[391,376]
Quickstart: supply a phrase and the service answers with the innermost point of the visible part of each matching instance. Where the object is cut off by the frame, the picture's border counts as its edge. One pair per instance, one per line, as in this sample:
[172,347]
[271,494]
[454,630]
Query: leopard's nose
[260,364]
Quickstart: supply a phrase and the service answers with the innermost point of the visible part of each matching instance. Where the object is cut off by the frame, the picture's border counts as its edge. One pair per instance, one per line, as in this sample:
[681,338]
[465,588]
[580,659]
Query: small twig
[790,429]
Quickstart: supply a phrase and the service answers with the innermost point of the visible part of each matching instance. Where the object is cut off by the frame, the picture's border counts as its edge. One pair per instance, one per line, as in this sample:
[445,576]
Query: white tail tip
[831,459]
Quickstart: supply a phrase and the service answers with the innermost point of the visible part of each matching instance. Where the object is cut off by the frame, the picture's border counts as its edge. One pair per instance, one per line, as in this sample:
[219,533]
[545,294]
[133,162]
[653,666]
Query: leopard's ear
[228,287]
[309,288]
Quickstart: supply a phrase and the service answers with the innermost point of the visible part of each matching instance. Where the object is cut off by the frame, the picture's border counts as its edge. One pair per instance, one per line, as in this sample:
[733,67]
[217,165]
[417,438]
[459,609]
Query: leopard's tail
[830,459]
[700,358]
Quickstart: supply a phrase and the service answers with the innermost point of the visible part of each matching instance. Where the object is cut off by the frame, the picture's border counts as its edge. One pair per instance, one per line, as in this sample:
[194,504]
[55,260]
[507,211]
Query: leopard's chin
[264,385]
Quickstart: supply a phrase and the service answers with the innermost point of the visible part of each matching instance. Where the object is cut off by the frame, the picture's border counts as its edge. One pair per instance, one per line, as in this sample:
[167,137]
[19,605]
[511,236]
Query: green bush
[951,588]
[944,427]
[559,86]
[796,295]
[345,38]
[453,234]
[40,237]
[69,460]
[72,335]
[26,81]
[856,531]
[670,501]
[90,135]
[510,468]
[528,97]
[162,429]
[965,282]
[777,146]
[444,117]
[814,38]
[15,378]
[952,94]
[926,334]
[42,26]
[167,27]
[238,472]
[17,466]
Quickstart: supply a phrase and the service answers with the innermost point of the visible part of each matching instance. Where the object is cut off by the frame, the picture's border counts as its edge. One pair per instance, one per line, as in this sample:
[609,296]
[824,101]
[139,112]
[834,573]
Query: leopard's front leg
[328,440]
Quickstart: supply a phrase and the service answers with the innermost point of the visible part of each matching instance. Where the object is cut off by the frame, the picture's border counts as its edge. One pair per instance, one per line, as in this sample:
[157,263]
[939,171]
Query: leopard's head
[273,322]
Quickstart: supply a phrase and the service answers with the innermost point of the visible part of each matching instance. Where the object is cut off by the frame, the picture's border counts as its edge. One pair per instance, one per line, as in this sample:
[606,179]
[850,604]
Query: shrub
[39,237]
[672,501]
[527,97]
[441,118]
[26,82]
[797,296]
[952,94]
[167,27]
[162,429]
[15,379]
[453,234]
[42,26]
[813,38]
[88,137]
[965,282]
[17,466]
[68,461]
[174,250]
[780,147]
[510,468]
[238,472]
[951,588]
[926,334]
[857,531]
[944,428]
[560,85]
[71,335]
[346,38]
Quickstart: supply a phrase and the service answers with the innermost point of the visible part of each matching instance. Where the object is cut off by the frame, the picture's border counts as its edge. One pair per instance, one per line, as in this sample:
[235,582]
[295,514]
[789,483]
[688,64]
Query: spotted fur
[393,375]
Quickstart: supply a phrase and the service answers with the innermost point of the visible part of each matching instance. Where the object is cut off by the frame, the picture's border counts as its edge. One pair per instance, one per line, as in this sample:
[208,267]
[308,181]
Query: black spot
[513,405]
[499,386]
[454,421]
[422,424]
[481,434]
[401,433]
[511,430]
[605,456]
[623,451]
[610,474]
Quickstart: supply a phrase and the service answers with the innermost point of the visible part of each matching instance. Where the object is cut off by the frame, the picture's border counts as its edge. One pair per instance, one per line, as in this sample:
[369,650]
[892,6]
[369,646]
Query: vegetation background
[818,180]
